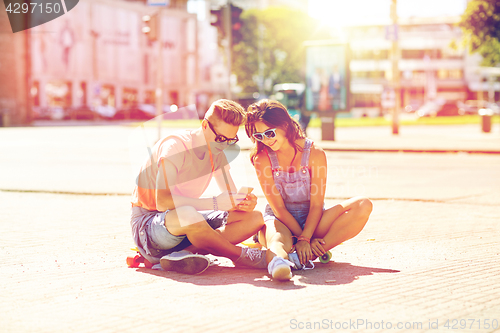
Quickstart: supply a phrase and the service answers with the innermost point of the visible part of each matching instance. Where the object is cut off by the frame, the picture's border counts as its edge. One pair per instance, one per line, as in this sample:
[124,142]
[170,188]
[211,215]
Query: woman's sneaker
[185,262]
[294,258]
[251,257]
[279,269]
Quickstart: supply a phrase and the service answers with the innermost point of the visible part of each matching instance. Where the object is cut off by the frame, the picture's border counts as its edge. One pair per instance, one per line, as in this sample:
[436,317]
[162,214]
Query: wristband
[216,207]
[304,238]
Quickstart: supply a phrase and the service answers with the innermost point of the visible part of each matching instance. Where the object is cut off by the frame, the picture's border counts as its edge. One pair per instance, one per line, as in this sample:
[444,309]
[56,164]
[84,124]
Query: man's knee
[188,216]
[179,220]
[256,219]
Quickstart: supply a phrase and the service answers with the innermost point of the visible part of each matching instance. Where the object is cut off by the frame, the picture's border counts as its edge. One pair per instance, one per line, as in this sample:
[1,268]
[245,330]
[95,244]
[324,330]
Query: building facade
[430,67]
[97,55]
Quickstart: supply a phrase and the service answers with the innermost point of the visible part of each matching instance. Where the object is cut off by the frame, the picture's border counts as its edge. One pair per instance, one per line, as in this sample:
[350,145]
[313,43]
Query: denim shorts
[299,211]
[161,239]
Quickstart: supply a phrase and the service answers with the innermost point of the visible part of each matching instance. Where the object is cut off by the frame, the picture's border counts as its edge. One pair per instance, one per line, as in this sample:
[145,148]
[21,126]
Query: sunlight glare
[340,13]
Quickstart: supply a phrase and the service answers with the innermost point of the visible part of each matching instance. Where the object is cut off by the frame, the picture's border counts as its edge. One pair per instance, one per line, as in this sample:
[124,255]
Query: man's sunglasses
[270,134]
[219,138]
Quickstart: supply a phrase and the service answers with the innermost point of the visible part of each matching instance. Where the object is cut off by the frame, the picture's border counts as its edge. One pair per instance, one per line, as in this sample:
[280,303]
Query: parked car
[83,112]
[494,107]
[471,106]
[141,111]
[105,111]
[438,108]
[413,106]
[429,108]
[49,113]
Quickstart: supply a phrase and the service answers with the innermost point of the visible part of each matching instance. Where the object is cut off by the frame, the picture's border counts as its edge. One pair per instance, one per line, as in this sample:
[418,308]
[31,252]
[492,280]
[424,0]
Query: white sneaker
[279,269]
[185,262]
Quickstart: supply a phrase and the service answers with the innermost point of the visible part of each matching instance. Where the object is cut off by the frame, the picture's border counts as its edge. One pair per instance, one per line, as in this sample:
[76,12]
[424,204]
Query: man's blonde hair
[227,111]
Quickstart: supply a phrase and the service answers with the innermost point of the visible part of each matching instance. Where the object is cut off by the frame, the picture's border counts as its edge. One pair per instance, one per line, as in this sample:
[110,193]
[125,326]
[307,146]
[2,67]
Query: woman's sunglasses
[219,138]
[270,134]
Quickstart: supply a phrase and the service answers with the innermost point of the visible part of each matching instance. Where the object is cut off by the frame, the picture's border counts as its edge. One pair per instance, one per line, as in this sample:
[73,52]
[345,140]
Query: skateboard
[135,261]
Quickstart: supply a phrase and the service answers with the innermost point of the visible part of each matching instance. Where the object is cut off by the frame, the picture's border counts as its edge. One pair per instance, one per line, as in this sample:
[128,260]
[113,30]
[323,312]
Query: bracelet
[304,238]
[216,207]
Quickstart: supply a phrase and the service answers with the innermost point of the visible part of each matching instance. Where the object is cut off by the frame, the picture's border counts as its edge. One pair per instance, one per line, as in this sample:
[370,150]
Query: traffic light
[217,20]
[236,24]
[150,27]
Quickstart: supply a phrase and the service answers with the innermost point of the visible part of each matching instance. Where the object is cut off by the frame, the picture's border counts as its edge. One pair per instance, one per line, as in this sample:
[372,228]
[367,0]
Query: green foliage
[481,25]
[280,33]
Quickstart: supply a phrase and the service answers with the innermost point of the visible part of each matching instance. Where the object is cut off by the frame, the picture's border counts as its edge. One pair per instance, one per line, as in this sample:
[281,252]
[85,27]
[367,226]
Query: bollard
[328,126]
[485,119]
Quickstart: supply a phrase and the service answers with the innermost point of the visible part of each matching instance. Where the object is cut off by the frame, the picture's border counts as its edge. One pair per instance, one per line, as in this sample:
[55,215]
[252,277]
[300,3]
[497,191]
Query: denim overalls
[295,187]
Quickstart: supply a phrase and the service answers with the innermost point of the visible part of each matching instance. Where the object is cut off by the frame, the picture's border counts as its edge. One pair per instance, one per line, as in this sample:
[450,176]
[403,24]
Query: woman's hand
[317,246]
[304,252]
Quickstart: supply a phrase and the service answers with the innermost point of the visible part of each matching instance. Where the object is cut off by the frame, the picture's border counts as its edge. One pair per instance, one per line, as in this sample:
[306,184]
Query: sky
[355,12]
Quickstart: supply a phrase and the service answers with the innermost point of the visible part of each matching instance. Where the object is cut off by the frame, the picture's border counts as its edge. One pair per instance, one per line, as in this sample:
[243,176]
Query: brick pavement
[63,270]
[433,256]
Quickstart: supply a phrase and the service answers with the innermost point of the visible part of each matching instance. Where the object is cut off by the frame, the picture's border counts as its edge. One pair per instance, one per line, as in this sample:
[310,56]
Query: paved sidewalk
[416,138]
[428,258]
[436,138]
[415,264]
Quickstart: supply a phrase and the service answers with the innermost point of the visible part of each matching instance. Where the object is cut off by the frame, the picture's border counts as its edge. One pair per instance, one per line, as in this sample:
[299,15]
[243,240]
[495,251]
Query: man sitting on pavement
[170,222]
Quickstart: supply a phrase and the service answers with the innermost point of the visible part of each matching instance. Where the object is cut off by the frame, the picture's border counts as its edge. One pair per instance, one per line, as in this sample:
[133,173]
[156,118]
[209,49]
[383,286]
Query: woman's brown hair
[273,114]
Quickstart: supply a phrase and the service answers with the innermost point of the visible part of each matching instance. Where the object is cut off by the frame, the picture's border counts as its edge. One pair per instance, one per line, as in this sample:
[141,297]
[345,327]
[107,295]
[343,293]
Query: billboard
[327,76]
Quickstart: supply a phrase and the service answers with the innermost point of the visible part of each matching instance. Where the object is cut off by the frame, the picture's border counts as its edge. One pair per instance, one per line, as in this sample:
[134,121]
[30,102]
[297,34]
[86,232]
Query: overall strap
[305,154]
[275,165]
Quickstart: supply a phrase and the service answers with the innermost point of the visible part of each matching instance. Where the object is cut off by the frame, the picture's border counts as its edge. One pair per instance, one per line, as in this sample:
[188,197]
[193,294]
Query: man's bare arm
[165,200]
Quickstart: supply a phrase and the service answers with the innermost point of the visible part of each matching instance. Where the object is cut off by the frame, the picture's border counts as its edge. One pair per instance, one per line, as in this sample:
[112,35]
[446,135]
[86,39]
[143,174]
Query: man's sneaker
[294,258]
[185,262]
[252,257]
[279,269]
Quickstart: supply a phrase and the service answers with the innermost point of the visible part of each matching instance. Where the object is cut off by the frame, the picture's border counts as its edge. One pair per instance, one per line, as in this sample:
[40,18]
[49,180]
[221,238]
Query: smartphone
[245,190]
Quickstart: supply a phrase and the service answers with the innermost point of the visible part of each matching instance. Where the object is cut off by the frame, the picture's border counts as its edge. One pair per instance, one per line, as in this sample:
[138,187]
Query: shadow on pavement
[338,273]
[224,275]
[333,273]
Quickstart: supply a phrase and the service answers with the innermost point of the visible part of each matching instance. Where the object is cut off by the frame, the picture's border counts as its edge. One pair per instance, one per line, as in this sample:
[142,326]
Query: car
[429,108]
[438,108]
[413,106]
[471,106]
[132,113]
[105,111]
[49,113]
[494,107]
[449,108]
[83,112]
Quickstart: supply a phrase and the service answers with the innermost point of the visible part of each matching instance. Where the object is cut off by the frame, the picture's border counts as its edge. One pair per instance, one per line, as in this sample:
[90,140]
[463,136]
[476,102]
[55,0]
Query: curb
[404,150]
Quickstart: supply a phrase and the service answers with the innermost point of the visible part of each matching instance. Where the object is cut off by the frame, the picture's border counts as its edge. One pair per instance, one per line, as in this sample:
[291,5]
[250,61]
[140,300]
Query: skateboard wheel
[147,264]
[134,262]
[325,257]
[131,262]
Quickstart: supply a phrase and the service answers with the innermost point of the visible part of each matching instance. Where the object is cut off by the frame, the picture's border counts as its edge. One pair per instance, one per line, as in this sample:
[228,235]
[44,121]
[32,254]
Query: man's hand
[227,201]
[248,204]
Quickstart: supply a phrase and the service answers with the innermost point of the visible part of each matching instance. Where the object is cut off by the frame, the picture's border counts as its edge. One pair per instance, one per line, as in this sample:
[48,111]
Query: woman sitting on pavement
[292,173]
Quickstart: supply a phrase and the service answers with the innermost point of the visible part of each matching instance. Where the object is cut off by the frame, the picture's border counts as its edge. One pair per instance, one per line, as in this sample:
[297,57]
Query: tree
[280,31]
[481,25]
